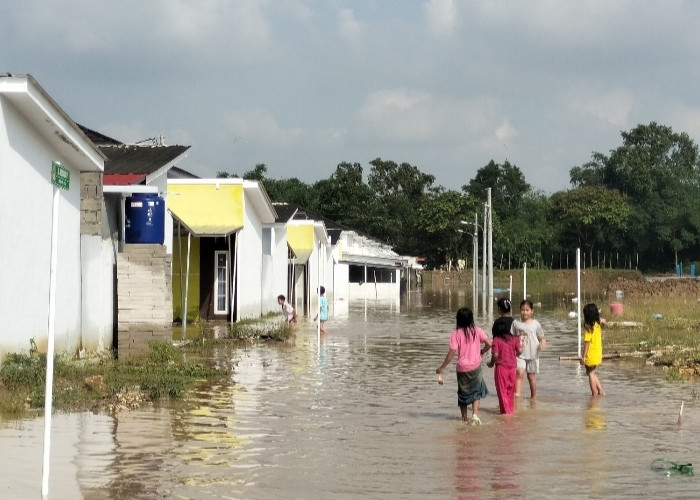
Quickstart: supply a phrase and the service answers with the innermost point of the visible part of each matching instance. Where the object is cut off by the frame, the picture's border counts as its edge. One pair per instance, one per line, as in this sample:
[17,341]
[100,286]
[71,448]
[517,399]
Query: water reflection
[361,414]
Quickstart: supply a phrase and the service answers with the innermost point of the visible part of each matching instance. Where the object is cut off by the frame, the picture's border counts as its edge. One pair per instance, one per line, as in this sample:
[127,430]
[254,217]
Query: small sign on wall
[60,175]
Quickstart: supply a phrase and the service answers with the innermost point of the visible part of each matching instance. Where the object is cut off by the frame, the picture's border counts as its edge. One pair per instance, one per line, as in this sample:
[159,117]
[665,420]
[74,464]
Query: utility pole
[490,237]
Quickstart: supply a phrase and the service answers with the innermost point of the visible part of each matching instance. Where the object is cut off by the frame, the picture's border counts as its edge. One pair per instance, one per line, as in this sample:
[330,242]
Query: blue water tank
[145,219]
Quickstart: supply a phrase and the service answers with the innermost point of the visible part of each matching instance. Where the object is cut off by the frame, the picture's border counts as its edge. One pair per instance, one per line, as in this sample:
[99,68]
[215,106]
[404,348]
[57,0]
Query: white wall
[26,196]
[274,273]
[249,265]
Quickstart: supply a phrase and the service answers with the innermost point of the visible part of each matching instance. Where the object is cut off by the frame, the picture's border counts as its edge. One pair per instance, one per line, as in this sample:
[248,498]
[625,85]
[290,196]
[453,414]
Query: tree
[591,218]
[658,170]
[507,184]
[439,229]
[399,191]
[345,199]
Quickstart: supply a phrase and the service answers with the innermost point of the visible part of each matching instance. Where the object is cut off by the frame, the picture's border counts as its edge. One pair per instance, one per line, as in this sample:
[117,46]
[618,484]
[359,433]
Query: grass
[665,325]
[101,384]
[108,384]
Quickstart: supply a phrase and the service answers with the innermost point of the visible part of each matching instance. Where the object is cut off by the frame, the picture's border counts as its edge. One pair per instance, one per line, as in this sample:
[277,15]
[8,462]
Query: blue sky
[302,85]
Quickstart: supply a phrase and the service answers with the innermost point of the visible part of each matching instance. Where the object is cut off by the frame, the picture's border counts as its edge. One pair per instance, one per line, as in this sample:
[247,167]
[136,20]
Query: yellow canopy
[214,209]
[300,238]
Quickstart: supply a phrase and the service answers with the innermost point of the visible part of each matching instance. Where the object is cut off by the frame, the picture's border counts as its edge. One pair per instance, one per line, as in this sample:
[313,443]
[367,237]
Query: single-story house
[224,249]
[50,218]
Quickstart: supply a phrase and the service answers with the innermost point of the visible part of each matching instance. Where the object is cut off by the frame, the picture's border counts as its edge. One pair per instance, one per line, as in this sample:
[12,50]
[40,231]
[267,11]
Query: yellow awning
[214,209]
[300,238]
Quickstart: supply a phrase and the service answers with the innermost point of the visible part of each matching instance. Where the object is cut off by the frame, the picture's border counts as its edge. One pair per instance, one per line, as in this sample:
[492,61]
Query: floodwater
[360,414]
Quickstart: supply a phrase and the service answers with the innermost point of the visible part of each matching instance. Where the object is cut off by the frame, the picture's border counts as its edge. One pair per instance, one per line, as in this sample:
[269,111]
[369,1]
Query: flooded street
[360,414]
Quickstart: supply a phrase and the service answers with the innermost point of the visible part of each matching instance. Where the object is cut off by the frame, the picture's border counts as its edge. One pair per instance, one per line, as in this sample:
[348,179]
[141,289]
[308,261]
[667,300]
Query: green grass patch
[101,383]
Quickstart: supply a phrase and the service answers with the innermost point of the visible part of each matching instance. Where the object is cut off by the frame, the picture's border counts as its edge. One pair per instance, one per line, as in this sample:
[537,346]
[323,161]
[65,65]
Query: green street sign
[60,176]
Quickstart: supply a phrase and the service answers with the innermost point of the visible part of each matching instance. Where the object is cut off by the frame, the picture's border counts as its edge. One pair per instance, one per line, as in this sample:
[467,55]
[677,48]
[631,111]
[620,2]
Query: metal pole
[490,239]
[578,296]
[475,262]
[483,263]
[48,390]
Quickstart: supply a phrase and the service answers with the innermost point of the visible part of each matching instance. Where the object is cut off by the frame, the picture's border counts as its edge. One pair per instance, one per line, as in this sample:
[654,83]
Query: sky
[304,85]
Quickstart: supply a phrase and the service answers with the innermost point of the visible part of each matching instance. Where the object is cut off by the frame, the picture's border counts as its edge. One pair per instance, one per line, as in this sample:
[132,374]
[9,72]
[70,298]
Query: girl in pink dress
[470,343]
[504,352]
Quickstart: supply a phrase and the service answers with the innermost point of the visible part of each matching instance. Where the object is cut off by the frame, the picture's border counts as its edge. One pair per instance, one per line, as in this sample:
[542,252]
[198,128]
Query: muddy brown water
[361,414]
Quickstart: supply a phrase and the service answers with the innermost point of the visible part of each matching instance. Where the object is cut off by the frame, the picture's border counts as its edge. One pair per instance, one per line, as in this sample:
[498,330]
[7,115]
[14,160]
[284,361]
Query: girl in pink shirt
[469,343]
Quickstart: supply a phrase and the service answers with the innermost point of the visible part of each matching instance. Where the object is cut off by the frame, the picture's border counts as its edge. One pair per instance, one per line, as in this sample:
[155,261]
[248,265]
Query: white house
[224,249]
[40,148]
[365,268]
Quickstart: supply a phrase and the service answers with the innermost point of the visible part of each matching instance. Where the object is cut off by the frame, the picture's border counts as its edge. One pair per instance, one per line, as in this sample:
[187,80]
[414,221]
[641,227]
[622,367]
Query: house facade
[40,149]
[224,249]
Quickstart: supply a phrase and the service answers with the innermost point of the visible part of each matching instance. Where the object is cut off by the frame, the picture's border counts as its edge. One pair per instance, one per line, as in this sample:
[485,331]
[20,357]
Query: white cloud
[349,27]
[613,106]
[441,16]
[416,117]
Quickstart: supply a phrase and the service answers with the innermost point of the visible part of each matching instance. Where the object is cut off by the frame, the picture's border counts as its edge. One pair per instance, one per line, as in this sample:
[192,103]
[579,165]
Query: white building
[35,135]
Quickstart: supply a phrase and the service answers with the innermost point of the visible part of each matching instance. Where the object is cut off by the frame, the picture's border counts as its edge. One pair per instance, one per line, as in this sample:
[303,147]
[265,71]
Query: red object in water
[616,308]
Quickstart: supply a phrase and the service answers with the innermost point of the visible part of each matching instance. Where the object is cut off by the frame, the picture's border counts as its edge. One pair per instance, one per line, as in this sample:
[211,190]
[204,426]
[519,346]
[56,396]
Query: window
[356,274]
[221,288]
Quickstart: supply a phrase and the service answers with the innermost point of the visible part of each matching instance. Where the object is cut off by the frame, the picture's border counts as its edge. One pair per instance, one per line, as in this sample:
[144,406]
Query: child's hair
[465,320]
[501,328]
[323,289]
[591,316]
[503,305]
[281,297]
[527,303]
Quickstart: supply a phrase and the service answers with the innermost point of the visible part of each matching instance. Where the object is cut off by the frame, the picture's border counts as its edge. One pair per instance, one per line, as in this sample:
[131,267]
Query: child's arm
[492,361]
[448,358]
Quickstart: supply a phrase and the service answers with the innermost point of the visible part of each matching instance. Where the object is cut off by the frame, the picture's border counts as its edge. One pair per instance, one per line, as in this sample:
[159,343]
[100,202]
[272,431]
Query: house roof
[130,159]
[50,121]
[131,163]
[98,138]
[291,211]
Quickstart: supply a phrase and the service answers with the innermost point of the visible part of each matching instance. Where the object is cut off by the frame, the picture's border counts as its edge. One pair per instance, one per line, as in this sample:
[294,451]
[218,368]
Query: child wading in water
[504,352]
[466,341]
[592,347]
[532,341]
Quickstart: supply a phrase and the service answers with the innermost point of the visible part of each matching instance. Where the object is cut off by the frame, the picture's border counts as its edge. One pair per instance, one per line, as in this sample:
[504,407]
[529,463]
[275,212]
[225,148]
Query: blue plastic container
[145,219]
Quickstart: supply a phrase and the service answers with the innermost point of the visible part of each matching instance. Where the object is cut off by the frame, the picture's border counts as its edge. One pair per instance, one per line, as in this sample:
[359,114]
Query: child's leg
[464,409]
[475,407]
[501,390]
[593,382]
[519,377]
[532,379]
[509,396]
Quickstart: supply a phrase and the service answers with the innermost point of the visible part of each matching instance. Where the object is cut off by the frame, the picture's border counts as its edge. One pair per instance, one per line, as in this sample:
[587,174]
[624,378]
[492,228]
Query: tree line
[637,207]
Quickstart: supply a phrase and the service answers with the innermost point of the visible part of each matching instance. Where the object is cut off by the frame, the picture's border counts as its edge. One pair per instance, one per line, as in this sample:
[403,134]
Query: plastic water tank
[145,219]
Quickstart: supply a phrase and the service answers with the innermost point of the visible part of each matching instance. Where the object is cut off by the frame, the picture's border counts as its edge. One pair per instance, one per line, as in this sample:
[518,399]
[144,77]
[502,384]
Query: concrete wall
[249,266]
[144,292]
[274,275]
[98,256]
[26,207]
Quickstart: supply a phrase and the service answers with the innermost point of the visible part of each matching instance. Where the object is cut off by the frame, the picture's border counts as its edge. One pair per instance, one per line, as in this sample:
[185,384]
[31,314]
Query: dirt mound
[656,287]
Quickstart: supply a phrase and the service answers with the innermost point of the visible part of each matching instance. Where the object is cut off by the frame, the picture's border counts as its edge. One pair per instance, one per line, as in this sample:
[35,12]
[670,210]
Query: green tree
[591,218]
[439,229]
[658,170]
[399,191]
[345,199]
[507,183]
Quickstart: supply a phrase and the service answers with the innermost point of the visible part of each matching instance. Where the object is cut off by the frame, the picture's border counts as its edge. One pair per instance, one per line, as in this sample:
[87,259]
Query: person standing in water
[592,347]
[469,343]
[532,341]
[504,352]
[322,316]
